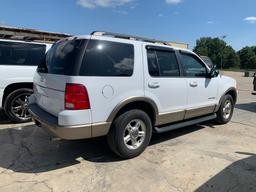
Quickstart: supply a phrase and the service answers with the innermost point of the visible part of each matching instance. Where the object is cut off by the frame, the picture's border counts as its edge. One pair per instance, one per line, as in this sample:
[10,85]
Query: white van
[18,62]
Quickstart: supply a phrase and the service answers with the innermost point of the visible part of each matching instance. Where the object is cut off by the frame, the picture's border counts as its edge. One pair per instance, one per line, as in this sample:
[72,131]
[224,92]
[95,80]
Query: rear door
[164,83]
[202,91]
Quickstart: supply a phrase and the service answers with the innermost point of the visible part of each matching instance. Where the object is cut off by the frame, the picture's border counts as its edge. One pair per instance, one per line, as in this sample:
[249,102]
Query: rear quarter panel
[15,74]
[106,93]
[10,74]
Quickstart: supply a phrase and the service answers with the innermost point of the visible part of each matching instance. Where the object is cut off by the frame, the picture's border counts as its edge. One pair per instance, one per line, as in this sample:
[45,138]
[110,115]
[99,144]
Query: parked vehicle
[18,62]
[126,87]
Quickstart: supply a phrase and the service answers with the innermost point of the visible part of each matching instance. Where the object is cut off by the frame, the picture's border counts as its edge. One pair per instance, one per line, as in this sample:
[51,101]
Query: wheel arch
[231,91]
[143,103]
[14,86]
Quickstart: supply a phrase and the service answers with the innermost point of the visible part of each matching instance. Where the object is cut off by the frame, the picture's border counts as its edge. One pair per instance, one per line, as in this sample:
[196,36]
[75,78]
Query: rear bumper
[50,123]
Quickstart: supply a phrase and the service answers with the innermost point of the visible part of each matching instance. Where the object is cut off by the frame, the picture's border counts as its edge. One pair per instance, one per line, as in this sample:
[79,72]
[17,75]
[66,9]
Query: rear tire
[15,105]
[130,134]
[226,109]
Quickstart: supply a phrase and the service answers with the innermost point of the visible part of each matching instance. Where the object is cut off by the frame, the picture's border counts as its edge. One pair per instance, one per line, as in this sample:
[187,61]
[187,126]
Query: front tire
[226,109]
[130,134]
[15,105]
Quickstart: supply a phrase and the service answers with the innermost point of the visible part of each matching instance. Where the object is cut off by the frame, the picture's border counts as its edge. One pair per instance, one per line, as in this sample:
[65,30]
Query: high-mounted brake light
[76,97]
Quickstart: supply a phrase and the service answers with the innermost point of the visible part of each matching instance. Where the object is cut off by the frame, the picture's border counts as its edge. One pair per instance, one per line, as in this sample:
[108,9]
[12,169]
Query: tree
[230,58]
[248,57]
[221,54]
[254,49]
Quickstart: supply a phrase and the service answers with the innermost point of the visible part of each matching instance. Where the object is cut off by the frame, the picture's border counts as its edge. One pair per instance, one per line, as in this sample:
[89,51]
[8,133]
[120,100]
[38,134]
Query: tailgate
[49,91]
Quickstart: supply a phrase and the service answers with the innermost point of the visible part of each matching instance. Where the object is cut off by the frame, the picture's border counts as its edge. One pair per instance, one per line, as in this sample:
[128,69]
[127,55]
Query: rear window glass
[15,53]
[162,64]
[105,58]
[63,58]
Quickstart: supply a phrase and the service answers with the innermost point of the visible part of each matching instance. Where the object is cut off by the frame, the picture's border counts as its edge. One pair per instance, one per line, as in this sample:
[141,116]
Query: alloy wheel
[19,106]
[134,134]
[227,109]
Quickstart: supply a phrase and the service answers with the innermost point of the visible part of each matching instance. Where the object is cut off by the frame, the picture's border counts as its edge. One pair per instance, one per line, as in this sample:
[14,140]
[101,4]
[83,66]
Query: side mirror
[213,72]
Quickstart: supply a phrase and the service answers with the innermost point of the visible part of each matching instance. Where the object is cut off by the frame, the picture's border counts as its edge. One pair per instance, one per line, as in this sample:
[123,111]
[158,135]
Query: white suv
[18,62]
[126,87]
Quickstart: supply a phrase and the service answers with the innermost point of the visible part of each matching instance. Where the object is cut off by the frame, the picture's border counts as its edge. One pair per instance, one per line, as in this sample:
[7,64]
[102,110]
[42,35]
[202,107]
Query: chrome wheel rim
[134,134]
[19,106]
[227,109]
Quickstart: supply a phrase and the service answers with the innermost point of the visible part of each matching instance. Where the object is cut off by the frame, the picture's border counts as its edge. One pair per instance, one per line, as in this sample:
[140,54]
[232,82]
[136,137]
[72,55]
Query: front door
[202,91]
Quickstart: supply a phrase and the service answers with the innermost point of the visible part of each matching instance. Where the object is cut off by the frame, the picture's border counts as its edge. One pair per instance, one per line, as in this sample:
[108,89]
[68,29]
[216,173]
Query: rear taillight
[76,97]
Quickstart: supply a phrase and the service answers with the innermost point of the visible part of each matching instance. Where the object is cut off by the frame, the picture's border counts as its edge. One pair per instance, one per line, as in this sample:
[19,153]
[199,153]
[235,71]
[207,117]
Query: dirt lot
[204,157]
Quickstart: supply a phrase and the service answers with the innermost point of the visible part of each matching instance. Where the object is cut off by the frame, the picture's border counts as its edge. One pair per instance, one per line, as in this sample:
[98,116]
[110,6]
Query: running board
[185,123]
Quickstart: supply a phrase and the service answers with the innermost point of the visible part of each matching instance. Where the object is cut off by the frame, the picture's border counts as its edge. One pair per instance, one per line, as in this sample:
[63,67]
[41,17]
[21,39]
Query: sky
[171,20]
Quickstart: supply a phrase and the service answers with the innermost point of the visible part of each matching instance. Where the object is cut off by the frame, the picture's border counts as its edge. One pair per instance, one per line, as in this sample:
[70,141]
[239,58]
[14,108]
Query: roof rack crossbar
[132,37]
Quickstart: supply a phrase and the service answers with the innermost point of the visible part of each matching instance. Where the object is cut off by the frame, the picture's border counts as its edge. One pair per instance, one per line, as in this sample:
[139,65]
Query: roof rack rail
[123,36]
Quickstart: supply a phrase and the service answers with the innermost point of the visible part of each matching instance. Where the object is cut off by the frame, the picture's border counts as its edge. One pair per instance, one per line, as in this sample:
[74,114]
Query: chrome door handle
[193,84]
[154,85]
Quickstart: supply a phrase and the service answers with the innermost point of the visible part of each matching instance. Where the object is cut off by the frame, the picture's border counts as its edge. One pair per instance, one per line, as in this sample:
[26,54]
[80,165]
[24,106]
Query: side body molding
[165,118]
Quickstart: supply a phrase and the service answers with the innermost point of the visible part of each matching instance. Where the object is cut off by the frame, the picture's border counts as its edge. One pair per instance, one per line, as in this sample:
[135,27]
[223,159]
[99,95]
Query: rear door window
[162,63]
[105,58]
[15,53]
